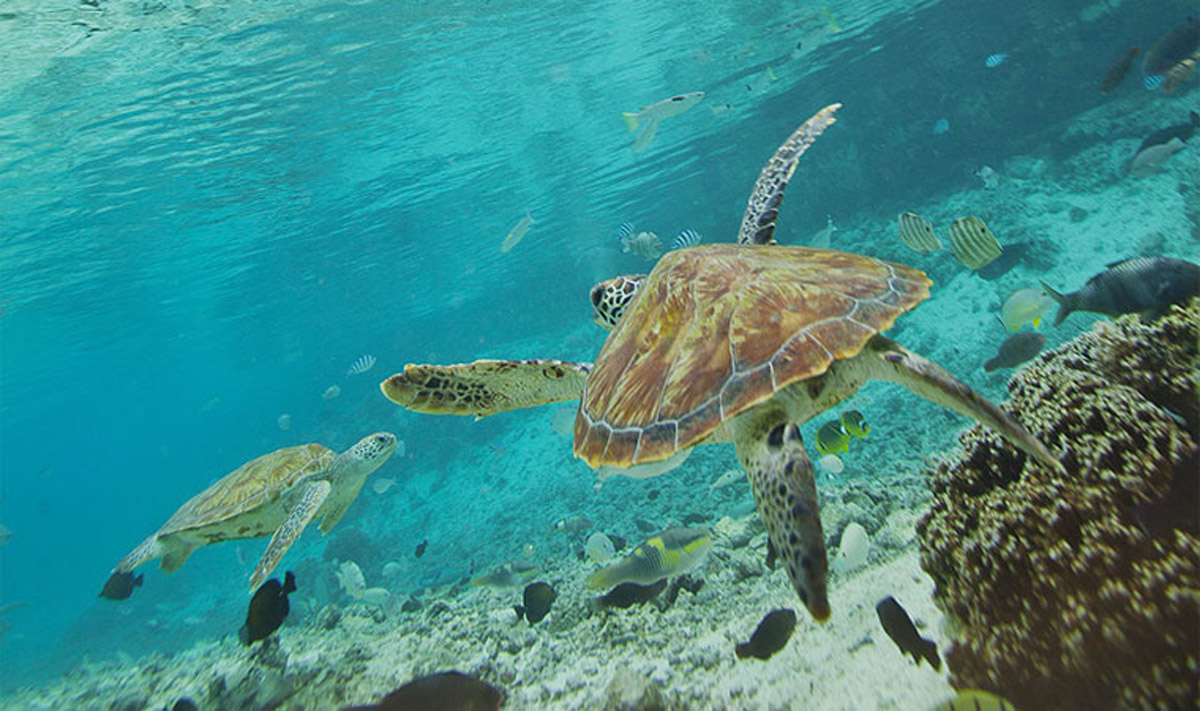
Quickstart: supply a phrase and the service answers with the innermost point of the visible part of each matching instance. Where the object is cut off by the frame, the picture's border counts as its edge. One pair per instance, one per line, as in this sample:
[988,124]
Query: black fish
[268,609]
[1182,131]
[627,595]
[694,518]
[1117,71]
[1142,285]
[771,635]
[1009,258]
[420,551]
[444,691]
[1180,506]
[119,586]
[1017,349]
[904,633]
[644,525]
[1172,48]
[538,599]
[619,543]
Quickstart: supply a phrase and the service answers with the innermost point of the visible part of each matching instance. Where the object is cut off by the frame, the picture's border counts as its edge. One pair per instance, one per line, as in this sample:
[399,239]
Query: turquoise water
[208,212]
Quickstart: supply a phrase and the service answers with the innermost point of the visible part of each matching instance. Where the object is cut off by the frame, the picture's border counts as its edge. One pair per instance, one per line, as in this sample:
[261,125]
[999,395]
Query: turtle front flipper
[888,360]
[485,387]
[301,514]
[785,491]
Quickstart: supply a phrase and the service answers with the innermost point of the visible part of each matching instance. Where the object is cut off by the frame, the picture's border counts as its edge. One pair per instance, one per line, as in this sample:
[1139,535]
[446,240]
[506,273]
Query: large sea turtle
[733,343]
[276,495]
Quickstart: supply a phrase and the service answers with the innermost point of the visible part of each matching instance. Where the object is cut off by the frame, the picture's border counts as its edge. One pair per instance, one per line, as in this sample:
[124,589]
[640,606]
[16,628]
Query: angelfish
[648,117]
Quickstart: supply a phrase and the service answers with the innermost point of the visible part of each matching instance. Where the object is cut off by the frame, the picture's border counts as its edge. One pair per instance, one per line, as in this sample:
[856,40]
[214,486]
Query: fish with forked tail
[1143,285]
[903,632]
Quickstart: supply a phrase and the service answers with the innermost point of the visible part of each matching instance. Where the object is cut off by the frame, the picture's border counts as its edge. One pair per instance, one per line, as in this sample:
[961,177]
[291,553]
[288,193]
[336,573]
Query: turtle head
[611,296]
[372,451]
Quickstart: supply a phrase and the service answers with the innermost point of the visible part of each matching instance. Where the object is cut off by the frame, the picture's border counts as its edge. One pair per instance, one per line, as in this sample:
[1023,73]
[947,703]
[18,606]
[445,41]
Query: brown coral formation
[1062,600]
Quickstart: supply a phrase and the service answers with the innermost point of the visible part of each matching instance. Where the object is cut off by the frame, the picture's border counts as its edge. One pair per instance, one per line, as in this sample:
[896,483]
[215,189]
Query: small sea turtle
[733,343]
[276,495]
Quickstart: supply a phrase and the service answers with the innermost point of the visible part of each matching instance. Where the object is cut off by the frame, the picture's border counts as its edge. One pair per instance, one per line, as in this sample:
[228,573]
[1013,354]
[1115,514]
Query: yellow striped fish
[673,552]
[972,243]
[917,233]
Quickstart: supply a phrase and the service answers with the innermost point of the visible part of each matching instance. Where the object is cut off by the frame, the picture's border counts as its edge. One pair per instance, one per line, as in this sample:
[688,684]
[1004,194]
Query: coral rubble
[1061,600]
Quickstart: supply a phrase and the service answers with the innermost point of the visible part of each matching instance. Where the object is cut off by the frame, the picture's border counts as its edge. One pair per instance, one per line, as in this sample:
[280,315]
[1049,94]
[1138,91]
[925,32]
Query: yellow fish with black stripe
[673,552]
[854,423]
[832,438]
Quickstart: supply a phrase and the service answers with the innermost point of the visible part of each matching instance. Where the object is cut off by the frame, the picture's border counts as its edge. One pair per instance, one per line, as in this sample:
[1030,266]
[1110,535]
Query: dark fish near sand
[444,691]
[1180,506]
[627,595]
[538,599]
[1017,349]
[1182,131]
[420,551]
[1143,285]
[771,635]
[119,586]
[1118,70]
[903,632]
[268,609]
[1172,48]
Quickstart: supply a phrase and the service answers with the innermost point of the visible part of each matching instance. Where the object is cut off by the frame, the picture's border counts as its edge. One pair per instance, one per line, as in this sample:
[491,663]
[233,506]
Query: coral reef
[1060,599]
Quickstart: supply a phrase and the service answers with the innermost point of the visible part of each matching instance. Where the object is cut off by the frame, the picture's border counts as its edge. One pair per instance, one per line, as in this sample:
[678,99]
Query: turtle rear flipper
[785,492]
[887,360]
[485,387]
[301,515]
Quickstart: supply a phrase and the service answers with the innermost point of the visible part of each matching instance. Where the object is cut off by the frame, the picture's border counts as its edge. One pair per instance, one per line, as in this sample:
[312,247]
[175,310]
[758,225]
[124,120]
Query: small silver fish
[649,117]
[995,60]
[362,365]
[517,233]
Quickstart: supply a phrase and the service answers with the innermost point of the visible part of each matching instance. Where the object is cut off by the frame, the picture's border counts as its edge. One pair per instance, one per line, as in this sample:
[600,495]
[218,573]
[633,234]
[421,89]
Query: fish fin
[1065,303]
[632,120]
[742,650]
[649,130]
[289,583]
[289,531]
[520,610]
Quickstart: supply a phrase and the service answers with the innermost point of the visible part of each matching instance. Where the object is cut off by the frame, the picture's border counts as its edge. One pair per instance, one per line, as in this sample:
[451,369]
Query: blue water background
[203,222]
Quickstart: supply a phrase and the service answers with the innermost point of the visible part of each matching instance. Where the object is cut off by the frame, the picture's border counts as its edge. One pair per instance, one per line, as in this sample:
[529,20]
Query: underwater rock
[629,691]
[1060,597]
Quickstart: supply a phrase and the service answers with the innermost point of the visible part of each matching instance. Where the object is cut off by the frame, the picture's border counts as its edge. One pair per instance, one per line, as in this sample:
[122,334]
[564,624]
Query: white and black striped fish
[361,365]
[686,238]
[625,231]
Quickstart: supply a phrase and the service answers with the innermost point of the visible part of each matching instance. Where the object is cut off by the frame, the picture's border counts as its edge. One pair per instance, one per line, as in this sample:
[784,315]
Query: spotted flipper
[758,222]
[302,513]
[485,387]
[785,491]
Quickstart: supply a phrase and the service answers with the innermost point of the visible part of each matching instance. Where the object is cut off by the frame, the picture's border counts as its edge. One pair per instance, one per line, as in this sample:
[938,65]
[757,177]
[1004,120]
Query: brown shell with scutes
[255,483]
[717,329]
